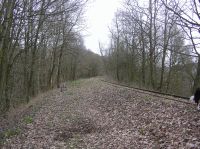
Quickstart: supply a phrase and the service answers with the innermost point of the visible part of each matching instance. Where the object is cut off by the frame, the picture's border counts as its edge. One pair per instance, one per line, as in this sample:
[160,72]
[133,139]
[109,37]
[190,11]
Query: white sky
[99,15]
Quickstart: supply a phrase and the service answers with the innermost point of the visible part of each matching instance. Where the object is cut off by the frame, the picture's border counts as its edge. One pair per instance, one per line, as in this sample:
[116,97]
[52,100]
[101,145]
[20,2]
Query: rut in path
[90,113]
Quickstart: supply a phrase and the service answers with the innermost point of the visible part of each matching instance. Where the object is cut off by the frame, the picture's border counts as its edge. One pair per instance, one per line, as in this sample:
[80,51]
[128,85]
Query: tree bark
[197,77]
[151,50]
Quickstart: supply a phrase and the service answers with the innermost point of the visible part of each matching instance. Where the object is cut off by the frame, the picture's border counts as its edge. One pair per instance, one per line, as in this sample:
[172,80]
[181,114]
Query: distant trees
[188,14]
[148,48]
[40,46]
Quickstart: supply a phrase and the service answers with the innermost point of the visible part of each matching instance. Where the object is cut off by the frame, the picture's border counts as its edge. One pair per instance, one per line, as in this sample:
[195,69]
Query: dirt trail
[94,115]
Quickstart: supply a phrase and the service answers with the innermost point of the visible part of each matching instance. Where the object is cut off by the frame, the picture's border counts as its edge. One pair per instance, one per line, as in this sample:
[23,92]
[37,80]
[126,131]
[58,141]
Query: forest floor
[91,114]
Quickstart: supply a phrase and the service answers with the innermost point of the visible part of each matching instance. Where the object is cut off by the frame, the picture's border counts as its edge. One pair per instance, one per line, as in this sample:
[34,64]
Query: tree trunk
[197,77]
[164,52]
[169,74]
[33,50]
[151,50]
[52,69]
[142,44]
[5,30]
[59,65]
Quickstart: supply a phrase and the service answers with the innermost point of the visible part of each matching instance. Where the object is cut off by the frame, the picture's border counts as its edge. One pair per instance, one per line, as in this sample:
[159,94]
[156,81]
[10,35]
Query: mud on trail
[92,114]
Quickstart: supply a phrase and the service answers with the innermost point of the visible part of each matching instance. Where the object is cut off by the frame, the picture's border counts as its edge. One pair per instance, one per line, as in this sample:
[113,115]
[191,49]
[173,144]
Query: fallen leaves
[93,114]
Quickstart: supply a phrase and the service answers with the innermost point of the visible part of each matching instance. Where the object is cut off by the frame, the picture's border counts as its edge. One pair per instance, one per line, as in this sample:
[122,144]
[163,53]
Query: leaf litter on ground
[93,114]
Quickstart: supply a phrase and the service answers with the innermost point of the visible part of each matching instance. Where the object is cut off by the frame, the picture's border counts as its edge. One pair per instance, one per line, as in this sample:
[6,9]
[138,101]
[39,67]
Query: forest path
[92,114]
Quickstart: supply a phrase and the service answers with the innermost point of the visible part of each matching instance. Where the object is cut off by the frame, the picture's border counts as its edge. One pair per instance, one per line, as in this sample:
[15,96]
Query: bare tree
[34,37]
[151,47]
[188,19]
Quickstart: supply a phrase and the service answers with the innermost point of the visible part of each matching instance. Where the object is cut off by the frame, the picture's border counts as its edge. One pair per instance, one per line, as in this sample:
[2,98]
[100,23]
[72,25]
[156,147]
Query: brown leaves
[97,115]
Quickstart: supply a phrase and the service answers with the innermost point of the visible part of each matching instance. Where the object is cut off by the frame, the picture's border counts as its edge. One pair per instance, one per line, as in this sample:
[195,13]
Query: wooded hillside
[154,45]
[40,47]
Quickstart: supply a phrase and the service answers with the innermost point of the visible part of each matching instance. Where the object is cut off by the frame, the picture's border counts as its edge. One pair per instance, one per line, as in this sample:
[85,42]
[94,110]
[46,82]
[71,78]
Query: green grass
[70,93]
[142,131]
[28,120]
[75,142]
[76,82]
[11,132]
[147,98]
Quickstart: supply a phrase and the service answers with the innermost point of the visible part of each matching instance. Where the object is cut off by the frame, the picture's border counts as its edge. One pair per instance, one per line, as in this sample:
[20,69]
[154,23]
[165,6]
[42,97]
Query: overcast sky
[98,17]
